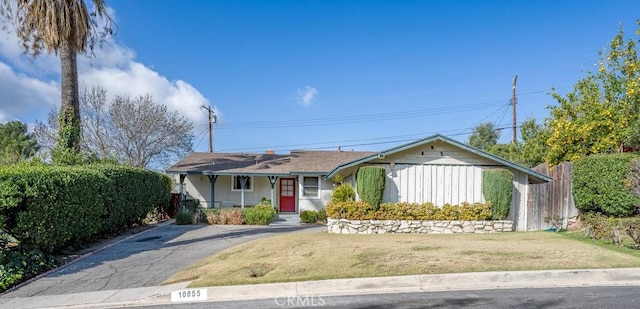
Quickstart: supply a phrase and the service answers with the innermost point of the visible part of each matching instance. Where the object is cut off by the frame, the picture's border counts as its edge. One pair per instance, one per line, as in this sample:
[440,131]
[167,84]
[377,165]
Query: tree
[600,114]
[142,132]
[66,28]
[529,152]
[133,131]
[15,143]
[484,136]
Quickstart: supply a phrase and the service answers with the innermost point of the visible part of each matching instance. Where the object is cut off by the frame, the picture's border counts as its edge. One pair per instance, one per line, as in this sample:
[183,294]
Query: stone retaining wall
[344,226]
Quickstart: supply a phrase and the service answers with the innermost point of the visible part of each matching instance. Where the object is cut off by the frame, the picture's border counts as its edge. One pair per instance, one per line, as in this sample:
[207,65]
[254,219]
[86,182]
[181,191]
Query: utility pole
[513,103]
[212,120]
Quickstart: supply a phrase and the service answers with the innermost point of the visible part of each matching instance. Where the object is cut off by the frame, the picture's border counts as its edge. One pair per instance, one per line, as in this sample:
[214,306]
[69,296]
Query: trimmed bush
[343,193]
[370,184]
[409,211]
[600,185]
[497,188]
[259,215]
[312,216]
[51,207]
[135,193]
[184,217]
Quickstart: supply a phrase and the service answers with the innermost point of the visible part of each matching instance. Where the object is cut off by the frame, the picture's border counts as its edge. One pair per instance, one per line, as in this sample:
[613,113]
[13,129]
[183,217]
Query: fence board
[551,200]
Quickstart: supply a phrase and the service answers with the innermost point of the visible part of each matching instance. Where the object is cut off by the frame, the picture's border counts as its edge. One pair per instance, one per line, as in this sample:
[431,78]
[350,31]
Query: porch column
[212,182]
[182,177]
[243,185]
[272,181]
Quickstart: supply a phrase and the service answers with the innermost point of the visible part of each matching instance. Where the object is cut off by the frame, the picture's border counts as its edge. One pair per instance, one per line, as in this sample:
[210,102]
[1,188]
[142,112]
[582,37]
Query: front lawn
[317,256]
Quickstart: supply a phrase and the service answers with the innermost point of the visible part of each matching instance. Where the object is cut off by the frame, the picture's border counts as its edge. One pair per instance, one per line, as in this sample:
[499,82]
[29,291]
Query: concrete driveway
[148,258]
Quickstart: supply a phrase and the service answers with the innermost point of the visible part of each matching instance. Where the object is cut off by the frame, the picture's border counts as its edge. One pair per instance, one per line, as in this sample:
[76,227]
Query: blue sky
[365,75]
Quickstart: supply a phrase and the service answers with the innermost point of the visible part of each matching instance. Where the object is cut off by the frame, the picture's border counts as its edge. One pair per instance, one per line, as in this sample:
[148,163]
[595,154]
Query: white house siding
[198,187]
[314,203]
[518,212]
[441,154]
[438,184]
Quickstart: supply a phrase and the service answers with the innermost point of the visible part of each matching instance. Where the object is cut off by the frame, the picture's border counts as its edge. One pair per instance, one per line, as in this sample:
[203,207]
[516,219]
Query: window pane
[310,185]
[310,191]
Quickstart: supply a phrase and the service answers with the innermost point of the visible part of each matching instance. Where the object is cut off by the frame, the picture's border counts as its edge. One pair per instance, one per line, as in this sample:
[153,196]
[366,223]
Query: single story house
[435,169]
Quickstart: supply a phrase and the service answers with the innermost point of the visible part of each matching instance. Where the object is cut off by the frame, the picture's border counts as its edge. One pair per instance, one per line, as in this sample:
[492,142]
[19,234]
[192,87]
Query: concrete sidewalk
[161,295]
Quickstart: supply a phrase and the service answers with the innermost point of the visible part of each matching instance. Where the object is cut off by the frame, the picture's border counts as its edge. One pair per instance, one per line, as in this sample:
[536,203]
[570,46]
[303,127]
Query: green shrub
[184,217]
[370,183]
[497,188]
[322,215]
[51,207]
[632,228]
[601,227]
[409,211]
[21,263]
[600,185]
[309,216]
[135,193]
[343,193]
[259,215]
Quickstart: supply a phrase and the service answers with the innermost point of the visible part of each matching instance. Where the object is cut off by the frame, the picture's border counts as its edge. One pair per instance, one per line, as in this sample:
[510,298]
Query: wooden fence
[551,201]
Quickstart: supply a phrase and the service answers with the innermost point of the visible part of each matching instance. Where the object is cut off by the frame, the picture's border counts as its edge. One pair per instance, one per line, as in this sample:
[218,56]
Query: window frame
[235,179]
[316,187]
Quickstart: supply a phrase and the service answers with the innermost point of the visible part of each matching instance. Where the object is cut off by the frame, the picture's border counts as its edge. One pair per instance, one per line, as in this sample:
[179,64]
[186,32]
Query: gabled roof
[299,162]
[537,177]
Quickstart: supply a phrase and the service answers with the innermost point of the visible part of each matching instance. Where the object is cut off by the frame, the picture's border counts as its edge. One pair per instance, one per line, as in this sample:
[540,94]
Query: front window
[310,186]
[237,186]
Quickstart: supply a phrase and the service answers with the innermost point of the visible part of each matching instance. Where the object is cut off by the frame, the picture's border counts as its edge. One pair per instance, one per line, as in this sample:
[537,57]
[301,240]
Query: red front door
[287,195]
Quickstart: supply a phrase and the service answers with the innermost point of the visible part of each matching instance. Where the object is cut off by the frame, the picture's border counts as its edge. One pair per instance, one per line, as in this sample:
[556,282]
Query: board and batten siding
[438,184]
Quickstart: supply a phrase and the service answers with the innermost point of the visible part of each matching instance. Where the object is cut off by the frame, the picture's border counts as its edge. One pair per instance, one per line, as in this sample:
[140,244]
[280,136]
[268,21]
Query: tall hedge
[497,188]
[51,207]
[370,182]
[599,184]
[136,191]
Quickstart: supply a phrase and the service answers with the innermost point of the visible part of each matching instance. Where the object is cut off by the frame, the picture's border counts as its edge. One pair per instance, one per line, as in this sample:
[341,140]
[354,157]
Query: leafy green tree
[16,144]
[65,28]
[530,151]
[484,136]
[600,114]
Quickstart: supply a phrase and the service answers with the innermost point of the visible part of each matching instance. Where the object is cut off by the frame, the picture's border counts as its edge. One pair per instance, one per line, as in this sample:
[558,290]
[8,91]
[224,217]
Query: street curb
[161,295]
[88,254]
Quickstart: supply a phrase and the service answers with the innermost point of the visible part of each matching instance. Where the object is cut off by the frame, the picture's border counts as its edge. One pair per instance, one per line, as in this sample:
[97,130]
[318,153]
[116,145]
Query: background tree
[65,28]
[600,114]
[484,136]
[15,143]
[530,151]
[134,131]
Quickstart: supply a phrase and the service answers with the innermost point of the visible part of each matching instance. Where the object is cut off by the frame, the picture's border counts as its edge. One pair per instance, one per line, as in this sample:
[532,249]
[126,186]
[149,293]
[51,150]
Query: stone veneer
[344,226]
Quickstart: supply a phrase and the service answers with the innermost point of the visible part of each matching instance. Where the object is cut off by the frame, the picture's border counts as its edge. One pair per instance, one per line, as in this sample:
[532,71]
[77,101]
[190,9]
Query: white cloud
[27,84]
[307,95]
[22,96]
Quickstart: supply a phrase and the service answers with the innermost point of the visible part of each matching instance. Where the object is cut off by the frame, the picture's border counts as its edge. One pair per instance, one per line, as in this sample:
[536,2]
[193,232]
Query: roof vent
[270,151]
[381,156]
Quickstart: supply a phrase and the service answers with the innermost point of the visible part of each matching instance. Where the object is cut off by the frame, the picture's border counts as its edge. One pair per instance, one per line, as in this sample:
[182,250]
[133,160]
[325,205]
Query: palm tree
[66,28]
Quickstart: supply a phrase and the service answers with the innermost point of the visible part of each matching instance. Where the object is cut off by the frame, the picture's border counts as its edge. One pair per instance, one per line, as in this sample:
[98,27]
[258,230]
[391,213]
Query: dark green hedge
[370,184]
[135,192]
[599,184]
[497,188]
[51,207]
